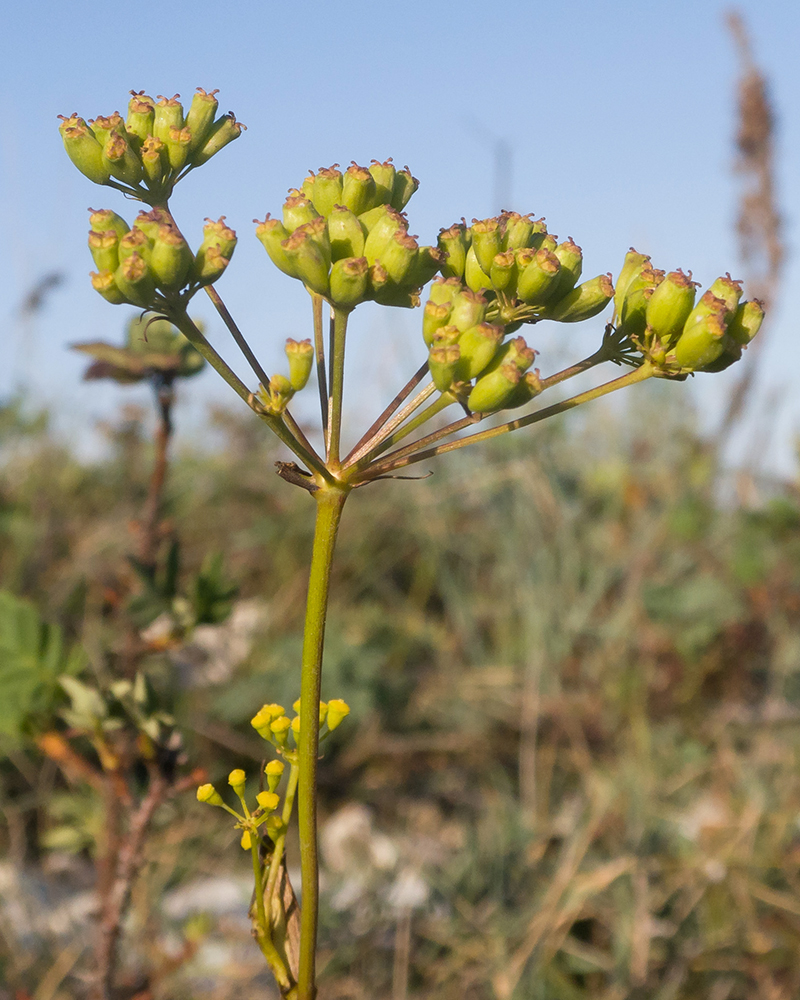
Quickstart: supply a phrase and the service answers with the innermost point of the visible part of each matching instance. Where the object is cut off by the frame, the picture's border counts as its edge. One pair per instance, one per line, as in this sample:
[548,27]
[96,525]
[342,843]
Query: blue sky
[619,118]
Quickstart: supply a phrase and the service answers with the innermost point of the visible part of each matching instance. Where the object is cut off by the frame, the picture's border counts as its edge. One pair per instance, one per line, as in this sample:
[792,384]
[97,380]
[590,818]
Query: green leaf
[33,656]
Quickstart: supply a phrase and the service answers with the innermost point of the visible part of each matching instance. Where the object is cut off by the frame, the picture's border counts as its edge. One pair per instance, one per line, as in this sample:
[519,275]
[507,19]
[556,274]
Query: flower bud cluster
[273,724]
[344,235]
[467,355]
[659,313]
[252,819]
[148,152]
[143,264]
[522,270]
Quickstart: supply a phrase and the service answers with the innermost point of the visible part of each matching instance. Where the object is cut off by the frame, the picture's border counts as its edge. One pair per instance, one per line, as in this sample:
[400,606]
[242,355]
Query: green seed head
[155,161]
[746,322]
[223,131]
[104,127]
[727,289]
[200,118]
[384,174]
[493,390]
[105,284]
[298,210]
[346,233]
[135,241]
[104,219]
[135,280]
[358,189]
[469,309]
[475,278]
[537,279]
[122,160]
[349,281]
[272,233]
[398,257]
[504,273]
[434,317]
[307,258]
[443,363]
[300,355]
[517,230]
[404,186]
[487,239]
[324,189]
[170,259]
[701,344]
[381,230]
[168,113]
[670,305]
[583,302]
[445,290]
[104,248]
[479,346]
[83,149]
[427,262]
[178,142]
[454,243]
[634,264]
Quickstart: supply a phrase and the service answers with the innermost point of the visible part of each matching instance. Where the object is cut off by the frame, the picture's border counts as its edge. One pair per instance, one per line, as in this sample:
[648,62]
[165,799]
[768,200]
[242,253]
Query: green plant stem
[338,335]
[402,457]
[237,335]
[582,366]
[377,442]
[280,843]
[330,502]
[319,351]
[359,448]
[268,949]
[197,339]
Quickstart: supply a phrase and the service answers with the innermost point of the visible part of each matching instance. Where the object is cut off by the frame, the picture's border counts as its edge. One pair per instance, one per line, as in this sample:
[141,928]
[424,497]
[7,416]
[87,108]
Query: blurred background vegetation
[572,766]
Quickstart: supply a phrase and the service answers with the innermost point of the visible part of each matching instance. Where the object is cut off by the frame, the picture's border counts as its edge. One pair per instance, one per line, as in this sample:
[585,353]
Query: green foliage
[33,657]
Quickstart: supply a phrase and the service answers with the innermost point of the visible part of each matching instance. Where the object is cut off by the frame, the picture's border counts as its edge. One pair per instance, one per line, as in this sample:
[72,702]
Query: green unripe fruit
[178,142]
[487,238]
[427,262]
[727,289]
[223,131]
[167,114]
[633,315]
[570,256]
[170,259]
[105,284]
[135,241]
[504,273]
[122,160]
[358,189]
[150,222]
[479,346]
[346,233]
[398,257]
[516,229]
[493,390]
[382,229]
[209,266]
[155,161]
[475,278]
[514,352]
[300,355]
[434,317]
[583,302]
[104,248]
[349,281]
[404,186]
[135,280]
[378,279]
[528,387]
[746,322]
[670,305]
[446,336]
[311,264]
[443,363]
[537,281]
[200,118]
[445,290]
[634,264]
[324,190]
[384,175]
[701,344]
[297,211]
[708,305]
[140,116]
[105,127]
[469,309]
[454,243]
[280,392]
[272,233]
[220,235]
[84,150]
[104,219]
